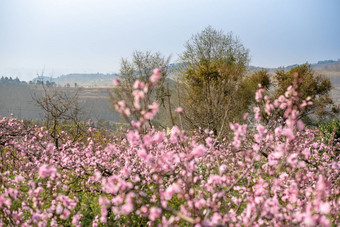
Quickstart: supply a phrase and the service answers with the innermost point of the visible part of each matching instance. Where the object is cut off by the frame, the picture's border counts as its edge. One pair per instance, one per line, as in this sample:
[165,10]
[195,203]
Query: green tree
[248,87]
[213,77]
[311,84]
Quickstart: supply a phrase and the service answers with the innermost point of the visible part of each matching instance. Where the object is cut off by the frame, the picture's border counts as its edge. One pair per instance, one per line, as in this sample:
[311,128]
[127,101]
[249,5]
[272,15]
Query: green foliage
[89,207]
[330,130]
[310,84]
[248,87]
[214,67]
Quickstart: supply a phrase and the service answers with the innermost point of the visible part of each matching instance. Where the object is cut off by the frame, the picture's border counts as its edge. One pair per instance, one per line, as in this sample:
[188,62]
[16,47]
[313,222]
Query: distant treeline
[10,80]
[327,61]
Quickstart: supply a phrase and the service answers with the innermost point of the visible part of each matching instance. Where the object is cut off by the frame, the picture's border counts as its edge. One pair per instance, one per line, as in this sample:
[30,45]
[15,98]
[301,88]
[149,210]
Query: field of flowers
[274,172]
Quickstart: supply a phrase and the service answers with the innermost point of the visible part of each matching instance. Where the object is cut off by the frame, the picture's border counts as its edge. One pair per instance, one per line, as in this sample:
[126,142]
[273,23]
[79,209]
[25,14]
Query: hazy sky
[65,36]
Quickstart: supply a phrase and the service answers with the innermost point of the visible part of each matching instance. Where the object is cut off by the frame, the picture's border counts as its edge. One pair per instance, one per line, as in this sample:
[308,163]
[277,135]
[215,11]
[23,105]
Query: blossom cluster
[274,171]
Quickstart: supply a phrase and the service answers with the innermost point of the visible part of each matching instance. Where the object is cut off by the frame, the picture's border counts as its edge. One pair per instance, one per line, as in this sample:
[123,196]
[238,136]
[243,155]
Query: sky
[89,36]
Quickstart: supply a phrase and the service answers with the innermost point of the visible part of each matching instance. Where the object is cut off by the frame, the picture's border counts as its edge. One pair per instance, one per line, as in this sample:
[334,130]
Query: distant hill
[81,79]
[327,66]
[90,79]
[321,66]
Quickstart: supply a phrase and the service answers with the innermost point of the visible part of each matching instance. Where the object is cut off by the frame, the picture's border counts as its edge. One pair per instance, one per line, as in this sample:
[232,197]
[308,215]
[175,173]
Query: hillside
[328,68]
[81,79]
[328,65]
[18,99]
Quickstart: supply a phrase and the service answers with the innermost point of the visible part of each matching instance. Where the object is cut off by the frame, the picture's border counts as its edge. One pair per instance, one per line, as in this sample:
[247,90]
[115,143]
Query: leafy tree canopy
[215,65]
[311,84]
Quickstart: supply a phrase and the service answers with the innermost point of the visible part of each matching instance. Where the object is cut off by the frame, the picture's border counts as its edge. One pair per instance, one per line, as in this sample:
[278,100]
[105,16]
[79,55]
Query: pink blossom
[258,95]
[215,180]
[198,151]
[158,137]
[292,160]
[179,109]
[76,219]
[175,131]
[144,209]
[59,209]
[149,116]
[97,175]
[324,221]
[171,190]
[325,208]
[19,178]
[65,214]
[154,107]
[300,125]
[216,219]
[288,132]
[278,131]
[257,113]
[133,137]
[46,171]
[138,85]
[154,213]
[308,221]
[209,141]
[103,201]
[116,82]
[156,75]
[142,154]
[127,208]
